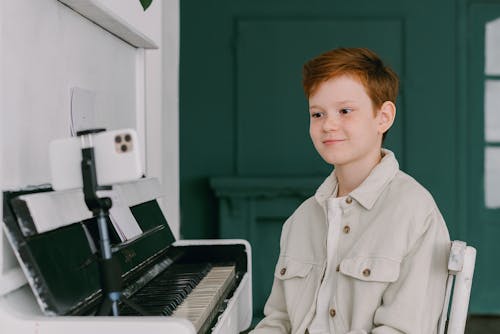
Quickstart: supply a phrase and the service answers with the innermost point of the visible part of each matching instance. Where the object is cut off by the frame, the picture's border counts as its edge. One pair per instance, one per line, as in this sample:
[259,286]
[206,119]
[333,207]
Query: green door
[483,154]
[246,157]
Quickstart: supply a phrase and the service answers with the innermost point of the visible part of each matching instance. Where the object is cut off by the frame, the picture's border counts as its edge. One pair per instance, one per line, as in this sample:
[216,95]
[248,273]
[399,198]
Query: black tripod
[109,269]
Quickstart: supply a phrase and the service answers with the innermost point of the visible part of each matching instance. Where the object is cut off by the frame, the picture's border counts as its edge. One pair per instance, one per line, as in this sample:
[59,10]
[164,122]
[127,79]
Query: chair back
[460,271]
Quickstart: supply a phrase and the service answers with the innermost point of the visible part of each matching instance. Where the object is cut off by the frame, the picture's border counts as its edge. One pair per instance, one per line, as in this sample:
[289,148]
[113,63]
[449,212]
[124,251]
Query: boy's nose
[331,123]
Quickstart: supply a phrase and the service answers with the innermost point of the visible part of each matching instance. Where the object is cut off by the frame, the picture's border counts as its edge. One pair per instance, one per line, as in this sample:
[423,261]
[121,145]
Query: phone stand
[109,269]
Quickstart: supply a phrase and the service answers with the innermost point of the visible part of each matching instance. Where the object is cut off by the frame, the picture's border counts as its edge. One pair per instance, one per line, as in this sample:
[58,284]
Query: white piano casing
[21,313]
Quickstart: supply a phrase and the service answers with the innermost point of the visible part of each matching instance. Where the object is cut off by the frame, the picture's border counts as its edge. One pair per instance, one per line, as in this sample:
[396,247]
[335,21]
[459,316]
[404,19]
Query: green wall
[244,120]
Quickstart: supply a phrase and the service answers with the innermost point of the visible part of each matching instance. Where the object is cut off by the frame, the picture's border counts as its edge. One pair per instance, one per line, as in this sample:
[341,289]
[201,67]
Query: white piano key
[204,298]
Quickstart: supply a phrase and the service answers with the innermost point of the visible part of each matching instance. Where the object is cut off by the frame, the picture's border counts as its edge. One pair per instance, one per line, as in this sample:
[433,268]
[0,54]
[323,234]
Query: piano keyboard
[206,296]
[190,291]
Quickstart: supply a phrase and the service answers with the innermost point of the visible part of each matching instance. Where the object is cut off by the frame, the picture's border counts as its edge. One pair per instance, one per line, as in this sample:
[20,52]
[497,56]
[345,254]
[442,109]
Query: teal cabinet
[255,209]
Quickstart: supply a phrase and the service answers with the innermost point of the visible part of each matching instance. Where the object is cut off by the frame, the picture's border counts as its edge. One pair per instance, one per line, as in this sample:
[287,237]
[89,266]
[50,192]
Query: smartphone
[116,154]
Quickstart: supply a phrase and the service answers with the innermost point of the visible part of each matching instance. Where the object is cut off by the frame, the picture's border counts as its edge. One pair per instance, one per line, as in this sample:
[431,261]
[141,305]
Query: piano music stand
[109,269]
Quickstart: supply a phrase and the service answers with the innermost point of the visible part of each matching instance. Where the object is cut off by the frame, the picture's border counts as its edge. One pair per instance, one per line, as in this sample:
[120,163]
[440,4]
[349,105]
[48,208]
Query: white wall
[45,49]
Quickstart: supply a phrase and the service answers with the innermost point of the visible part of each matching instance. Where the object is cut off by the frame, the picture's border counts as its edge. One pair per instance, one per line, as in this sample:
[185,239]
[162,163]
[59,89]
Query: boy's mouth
[332,141]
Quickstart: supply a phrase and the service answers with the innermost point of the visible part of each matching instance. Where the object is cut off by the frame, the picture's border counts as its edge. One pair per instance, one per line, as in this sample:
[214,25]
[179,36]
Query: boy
[368,252]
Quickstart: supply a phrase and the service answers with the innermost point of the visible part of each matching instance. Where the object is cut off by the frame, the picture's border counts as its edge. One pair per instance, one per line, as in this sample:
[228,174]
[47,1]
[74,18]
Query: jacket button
[338,267]
[366,272]
[347,229]
[348,200]
[282,271]
[332,312]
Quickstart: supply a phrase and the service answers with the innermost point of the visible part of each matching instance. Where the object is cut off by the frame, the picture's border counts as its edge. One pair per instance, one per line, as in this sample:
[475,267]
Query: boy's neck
[349,177]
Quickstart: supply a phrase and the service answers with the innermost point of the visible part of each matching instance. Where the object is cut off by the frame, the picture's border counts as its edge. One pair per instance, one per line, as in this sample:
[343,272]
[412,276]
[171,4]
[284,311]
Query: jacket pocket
[295,278]
[288,268]
[371,269]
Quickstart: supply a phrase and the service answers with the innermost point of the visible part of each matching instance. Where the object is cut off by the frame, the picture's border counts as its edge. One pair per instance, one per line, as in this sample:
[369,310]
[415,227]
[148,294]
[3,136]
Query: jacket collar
[368,192]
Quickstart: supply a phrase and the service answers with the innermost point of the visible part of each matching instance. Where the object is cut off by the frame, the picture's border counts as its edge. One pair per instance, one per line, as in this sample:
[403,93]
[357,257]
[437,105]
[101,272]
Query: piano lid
[55,240]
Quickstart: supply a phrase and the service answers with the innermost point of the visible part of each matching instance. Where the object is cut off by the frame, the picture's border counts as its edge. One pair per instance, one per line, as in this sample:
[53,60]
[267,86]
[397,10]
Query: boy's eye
[316,114]
[345,110]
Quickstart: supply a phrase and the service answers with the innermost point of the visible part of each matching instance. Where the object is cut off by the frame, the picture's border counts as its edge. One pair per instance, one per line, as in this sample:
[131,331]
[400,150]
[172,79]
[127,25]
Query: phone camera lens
[128,138]
[118,139]
[123,148]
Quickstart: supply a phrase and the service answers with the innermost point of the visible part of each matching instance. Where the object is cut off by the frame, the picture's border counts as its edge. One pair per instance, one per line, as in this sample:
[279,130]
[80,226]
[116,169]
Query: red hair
[381,82]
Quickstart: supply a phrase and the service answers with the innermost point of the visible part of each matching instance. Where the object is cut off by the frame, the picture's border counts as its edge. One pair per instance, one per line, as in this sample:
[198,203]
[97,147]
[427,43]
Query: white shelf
[97,12]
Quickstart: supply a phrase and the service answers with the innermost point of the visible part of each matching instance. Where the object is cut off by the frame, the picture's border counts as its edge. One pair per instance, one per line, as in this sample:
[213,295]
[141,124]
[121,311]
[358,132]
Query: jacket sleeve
[276,319]
[413,303]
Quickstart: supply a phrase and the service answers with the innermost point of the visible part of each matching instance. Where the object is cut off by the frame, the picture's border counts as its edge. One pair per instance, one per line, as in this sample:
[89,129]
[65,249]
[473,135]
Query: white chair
[461,270]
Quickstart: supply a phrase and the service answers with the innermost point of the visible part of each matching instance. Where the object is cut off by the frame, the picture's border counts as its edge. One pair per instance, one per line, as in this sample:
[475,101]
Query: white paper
[123,221]
[83,114]
[53,210]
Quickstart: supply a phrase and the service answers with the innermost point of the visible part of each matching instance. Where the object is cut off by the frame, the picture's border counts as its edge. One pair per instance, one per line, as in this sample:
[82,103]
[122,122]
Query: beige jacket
[392,261]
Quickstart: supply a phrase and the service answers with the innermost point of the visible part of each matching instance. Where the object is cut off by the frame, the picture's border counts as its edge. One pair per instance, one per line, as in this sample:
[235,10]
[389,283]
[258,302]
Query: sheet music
[120,215]
[50,211]
[46,213]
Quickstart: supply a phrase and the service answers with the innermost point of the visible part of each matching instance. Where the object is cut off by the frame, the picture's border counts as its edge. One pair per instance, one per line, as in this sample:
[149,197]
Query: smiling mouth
[332,141]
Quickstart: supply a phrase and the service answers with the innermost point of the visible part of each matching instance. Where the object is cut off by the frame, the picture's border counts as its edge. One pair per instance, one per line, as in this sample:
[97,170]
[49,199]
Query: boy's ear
[387,113]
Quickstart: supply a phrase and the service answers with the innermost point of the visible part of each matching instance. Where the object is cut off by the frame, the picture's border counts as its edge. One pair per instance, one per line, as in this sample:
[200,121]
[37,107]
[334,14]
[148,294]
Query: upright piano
[182,286]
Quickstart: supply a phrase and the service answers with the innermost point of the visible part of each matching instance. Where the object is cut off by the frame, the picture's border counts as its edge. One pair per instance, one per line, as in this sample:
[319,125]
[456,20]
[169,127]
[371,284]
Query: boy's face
[344,127]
